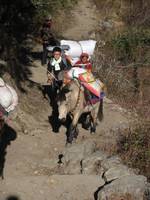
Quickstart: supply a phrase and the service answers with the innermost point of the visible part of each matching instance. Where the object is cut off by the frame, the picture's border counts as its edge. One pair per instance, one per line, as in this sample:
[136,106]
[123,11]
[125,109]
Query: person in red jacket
[84,62]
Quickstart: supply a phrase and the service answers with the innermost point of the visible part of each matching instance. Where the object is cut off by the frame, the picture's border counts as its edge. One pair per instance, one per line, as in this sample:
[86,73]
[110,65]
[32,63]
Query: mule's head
[63,103]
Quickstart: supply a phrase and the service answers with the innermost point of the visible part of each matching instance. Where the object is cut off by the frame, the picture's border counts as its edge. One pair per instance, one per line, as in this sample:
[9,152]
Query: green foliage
[132,46]
[18,19]
[44,7]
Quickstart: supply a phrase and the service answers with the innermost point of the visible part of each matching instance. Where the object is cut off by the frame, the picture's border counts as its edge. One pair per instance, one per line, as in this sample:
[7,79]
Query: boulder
[73,156]
[111,162]
[117,172]
[92,164]
[130,187]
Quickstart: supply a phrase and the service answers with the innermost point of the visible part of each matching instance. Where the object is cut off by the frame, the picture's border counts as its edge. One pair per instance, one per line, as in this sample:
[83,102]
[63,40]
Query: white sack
[75,48]
[14,101]
[88,46]
[74,72]
[5,97]
[8,97]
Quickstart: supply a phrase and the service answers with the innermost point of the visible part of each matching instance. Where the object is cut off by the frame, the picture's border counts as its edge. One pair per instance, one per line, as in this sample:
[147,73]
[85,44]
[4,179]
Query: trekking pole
[52,75]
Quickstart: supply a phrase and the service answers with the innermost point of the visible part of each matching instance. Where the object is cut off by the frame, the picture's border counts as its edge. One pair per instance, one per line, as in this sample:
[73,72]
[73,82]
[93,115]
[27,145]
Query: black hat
[56,49]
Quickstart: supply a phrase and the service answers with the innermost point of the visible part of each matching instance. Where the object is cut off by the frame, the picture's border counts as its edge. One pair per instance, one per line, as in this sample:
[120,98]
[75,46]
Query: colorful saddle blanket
[92,84]
[87,79]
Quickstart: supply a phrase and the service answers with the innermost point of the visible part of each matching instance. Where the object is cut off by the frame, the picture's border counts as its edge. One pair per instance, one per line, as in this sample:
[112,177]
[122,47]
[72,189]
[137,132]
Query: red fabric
[86,65]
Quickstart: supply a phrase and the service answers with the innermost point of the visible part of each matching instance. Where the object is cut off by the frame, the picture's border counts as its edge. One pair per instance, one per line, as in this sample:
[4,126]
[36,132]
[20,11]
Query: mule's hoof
[93,130]
[1,177]
[86,126]
[75,141]
[76,133]
[68,144]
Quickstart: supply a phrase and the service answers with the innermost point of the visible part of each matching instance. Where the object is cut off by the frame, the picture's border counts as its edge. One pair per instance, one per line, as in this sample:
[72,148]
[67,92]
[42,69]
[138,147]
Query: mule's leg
[74,124]
[70,134]
[73,130]
[86,124]
[93,121]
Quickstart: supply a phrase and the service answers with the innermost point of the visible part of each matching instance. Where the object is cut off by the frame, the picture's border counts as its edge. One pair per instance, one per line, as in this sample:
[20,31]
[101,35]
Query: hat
[56,49]
[84,55]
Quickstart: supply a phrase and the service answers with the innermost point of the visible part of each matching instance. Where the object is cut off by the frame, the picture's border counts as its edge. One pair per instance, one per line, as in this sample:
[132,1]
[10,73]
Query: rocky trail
[38,165]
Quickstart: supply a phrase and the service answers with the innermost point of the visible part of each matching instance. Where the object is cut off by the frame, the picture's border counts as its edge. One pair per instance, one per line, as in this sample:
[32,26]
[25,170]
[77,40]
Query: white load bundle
[14,101]
[77,48]
[8,96]
[88,46]
[74,72]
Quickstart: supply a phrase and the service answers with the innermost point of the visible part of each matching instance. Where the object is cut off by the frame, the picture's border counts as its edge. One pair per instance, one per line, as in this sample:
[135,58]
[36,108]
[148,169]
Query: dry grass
[132,12]
[134,147]
[122,62]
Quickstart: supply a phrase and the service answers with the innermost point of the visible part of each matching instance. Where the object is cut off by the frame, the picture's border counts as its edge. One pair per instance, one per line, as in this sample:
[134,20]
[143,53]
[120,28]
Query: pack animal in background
[8,98]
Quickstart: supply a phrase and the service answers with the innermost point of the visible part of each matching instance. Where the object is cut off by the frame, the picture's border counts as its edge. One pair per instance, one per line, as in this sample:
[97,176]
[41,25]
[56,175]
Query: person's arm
[77,64]
[66,64]
[89,67]
[69,65]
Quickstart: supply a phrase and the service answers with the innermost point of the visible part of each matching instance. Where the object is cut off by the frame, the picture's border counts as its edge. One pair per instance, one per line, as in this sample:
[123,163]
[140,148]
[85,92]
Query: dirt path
[84,21]
[31,153]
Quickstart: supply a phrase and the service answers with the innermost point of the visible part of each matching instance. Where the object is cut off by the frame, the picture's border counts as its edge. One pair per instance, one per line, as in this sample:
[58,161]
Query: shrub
[132,46]
[134,147]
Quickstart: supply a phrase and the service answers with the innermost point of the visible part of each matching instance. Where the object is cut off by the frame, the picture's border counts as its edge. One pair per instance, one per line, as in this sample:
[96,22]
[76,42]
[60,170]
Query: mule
[72,101]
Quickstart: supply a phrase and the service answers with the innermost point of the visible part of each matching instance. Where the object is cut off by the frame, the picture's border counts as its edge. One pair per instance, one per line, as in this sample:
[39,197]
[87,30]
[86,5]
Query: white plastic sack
[14,101]
[88,46]
[74,72]
[8,97]
[75,48]
[5,97]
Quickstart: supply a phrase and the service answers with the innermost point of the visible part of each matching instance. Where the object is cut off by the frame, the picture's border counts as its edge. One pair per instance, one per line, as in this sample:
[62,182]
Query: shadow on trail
[53,118]
[52,96]
[16,23]
[7,136]
[13,197]
[36,55]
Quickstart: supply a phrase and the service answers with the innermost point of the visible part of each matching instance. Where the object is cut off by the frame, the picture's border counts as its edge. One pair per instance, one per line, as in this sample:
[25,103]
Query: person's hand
[49,81]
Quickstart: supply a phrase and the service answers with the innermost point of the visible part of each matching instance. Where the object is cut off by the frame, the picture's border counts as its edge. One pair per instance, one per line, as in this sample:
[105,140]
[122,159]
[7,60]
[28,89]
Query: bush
[18,19]
[132,46]
[134,147]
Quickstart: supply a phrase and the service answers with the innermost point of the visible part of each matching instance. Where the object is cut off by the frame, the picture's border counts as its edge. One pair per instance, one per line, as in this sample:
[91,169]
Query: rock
[92,164]
[117,172]
[106,24]
[111,162]
[73,156]
[131,187]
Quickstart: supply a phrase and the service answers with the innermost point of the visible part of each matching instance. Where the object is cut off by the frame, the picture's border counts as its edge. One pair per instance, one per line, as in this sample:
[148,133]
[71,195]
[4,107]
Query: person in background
[47,38]
[84,62]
